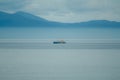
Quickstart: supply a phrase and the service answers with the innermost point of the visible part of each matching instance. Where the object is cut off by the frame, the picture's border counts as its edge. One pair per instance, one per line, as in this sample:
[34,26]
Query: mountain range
[22,19]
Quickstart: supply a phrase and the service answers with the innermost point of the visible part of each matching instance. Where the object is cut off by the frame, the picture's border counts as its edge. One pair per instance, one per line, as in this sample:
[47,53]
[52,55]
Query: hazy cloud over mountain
[66,10]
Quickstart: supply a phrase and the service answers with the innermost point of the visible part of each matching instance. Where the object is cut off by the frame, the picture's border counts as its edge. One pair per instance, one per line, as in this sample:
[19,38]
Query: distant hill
[98,23]
[26,20]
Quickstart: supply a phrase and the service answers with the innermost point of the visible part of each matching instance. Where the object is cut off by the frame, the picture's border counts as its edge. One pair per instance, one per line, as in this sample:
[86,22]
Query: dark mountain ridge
[23,19]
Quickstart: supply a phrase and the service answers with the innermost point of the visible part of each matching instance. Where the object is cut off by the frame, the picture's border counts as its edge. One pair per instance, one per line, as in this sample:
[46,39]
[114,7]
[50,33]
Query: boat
[59,42]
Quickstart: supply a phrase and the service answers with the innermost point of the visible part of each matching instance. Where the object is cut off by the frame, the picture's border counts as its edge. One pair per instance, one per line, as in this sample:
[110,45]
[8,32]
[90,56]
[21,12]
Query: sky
[66,10]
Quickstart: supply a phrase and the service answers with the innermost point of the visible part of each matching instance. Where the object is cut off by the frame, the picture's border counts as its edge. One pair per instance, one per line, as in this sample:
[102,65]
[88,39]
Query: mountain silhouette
[26,19]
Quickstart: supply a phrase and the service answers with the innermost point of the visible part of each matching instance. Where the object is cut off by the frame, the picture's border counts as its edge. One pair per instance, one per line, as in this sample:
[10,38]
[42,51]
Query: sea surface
[75,60]
[69,44]
[59,33]
[28,53]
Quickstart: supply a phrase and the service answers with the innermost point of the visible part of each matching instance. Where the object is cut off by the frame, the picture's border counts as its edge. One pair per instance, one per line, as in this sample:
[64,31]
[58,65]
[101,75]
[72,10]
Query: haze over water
[59,33]
[59,64]
[29,54]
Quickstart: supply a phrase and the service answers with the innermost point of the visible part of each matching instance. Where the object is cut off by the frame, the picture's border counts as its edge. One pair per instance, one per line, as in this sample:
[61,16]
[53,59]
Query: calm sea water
[59,64]
[70,44]
[76,60]
[59,33]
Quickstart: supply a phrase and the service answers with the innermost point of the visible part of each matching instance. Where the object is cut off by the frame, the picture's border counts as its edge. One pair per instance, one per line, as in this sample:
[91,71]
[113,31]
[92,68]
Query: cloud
[12,5]
[46,6]
[66,10]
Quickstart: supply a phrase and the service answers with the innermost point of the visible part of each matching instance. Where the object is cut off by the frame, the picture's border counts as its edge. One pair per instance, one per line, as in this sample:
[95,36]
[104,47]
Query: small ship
[59,42]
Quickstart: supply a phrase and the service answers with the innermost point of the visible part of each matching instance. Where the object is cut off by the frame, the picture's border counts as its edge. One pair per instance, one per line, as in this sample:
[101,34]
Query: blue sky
[66,10]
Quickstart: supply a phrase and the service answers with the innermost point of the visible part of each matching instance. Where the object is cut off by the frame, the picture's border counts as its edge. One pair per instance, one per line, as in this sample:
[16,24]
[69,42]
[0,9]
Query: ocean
[36,60]
[89,54]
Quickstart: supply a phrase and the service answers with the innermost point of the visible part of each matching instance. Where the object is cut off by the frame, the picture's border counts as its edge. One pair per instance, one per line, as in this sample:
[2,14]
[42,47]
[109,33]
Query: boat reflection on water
[59,42]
